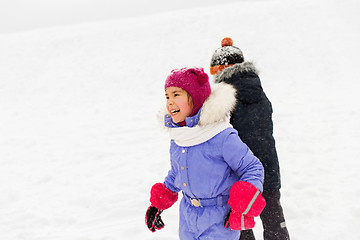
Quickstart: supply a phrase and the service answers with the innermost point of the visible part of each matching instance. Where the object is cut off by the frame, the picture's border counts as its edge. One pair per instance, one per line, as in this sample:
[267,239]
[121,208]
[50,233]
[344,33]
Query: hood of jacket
[236,68]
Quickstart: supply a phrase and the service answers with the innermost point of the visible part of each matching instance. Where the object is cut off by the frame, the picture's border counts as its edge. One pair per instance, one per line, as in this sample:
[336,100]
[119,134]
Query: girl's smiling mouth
[175,111]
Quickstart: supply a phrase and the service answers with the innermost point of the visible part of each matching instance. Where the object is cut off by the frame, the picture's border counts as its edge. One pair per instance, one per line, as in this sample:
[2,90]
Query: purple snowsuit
[207,158]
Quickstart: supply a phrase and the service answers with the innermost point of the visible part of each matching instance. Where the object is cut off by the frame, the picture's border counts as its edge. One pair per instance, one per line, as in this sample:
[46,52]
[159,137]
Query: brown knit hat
[225,56]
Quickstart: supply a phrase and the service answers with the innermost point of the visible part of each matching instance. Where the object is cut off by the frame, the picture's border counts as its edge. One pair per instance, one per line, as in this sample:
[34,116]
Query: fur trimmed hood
[219,104]
[238,67]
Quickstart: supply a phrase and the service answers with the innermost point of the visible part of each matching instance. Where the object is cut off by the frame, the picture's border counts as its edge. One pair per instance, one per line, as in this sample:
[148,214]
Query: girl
[219,176]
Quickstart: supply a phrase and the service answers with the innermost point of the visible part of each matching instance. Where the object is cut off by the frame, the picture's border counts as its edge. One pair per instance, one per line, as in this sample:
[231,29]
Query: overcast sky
[20,15]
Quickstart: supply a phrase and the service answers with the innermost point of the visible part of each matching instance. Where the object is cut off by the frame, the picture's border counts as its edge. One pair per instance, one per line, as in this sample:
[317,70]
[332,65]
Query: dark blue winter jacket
[252,118]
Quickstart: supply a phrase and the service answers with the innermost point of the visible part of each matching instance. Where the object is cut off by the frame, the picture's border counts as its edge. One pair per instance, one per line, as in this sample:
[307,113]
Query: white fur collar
[219,104]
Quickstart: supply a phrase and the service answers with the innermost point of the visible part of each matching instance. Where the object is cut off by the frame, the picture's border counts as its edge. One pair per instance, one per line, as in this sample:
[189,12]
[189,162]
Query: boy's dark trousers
[272,218]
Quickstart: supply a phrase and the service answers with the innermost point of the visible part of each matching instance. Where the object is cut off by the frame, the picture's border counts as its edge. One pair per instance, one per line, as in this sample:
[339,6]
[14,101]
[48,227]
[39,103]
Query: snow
[20,15]
[81,146]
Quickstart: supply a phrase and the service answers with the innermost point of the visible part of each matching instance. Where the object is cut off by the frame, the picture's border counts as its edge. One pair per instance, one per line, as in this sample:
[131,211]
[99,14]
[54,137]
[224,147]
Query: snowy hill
[80,145]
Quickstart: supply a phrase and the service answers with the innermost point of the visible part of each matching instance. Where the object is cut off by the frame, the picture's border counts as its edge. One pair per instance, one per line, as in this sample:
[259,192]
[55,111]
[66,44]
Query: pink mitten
[240,221]
[246,202]
[162,197]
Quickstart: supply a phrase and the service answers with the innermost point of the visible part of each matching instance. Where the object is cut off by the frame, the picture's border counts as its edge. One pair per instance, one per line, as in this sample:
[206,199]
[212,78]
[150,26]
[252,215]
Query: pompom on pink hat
[194,81]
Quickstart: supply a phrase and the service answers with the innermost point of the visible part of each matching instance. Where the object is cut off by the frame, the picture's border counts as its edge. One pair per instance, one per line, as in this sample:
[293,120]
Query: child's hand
[161,198]
[246,202]
[153,219]
[238,221]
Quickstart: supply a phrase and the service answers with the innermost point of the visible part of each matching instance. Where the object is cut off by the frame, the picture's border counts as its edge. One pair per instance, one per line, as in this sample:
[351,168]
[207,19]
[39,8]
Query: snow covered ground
[22,15]
[80,145]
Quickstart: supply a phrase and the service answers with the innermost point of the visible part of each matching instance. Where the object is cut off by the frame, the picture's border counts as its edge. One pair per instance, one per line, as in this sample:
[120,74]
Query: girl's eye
[176,95]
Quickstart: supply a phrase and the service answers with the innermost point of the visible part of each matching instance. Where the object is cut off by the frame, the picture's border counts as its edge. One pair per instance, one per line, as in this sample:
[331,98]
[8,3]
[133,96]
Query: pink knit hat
[194,81]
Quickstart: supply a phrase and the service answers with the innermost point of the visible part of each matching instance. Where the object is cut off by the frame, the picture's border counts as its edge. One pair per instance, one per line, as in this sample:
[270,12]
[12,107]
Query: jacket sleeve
[170,178]
[241,160]
[249,89]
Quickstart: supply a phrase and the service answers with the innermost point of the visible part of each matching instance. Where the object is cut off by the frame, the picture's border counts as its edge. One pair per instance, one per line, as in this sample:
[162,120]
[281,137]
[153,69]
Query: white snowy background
[80,145]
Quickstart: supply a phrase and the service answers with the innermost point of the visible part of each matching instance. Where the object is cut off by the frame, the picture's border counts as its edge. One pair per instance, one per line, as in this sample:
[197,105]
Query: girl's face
[178,104]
